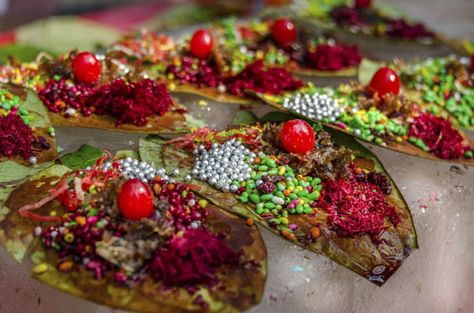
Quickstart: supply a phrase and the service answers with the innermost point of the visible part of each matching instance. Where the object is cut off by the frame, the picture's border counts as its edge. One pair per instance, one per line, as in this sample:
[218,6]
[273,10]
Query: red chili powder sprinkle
[356,207]
[192,259]
[273,80]
[439,135]
[16,138]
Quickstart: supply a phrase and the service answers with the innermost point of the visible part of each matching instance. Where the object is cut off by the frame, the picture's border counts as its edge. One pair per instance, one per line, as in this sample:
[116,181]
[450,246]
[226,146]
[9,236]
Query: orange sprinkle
[171,186]
[405,137]
[81,220]
[65,266]
[284,232]
[315,232]
[257,160]
[273,157]
[286,192]
[358,170]
[291,236]
[249,221]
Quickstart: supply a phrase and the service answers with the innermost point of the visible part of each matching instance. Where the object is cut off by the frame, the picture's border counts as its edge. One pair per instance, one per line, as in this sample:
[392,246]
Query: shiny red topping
[86,68]
[362,4]
[385,81]
[135,200]
[201,44]
[284,32]
[297,136]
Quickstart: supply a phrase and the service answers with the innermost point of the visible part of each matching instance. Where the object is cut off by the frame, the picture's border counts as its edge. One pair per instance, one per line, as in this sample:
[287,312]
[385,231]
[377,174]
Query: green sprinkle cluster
[11,102]
[292,195]
[441,88]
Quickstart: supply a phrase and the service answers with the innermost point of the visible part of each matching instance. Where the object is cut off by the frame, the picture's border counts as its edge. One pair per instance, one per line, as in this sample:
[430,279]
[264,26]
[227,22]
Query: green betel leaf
[244,117]
[374,261]
[22,53]
[367,69]
[37,110]
[82,158]
[10,171]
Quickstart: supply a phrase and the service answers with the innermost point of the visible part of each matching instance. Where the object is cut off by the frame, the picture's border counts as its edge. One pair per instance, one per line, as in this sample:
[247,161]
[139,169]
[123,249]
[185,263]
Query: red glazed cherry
[284,32]
[86,68]
[201,44]
[385,81]
[135,200]
[297,136]
[362,4]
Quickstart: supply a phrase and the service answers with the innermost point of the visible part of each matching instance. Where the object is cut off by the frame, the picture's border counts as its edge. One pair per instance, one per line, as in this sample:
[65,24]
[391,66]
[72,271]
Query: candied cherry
[362,4]
[297,136]
[385,81]
[135,200]
[201,44]
[284,32]
[86,68]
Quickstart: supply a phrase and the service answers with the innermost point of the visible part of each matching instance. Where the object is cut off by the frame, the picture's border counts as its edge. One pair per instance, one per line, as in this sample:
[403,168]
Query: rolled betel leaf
[321,190]
[124,234]
[379,110]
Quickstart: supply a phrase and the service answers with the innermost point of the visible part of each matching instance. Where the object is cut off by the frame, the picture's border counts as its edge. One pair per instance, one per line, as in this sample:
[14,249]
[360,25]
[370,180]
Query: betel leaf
[82,158]
[238,287]
[10,171]
[244,117]
[374,261]
[122,154]
[22,53]
[37,110]
[367,69]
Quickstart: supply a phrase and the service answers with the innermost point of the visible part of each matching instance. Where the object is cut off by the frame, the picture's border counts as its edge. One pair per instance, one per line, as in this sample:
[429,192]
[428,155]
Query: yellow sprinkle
[299,188]
[172,86]
[69,237]
[170,76]
[40,268]
[301,202]
[281,170]
[53,213]
[399,139]
[202,102]
[291,188]
[202,203]
[284,220]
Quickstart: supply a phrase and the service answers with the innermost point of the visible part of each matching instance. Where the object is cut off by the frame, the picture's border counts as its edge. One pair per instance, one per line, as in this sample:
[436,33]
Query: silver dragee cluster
[223,164]
[316,106]
[133,168]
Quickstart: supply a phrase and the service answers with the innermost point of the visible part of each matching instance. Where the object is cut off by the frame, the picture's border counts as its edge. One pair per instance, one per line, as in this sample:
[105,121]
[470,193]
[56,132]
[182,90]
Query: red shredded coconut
[131,103]
[16,138]
[192,259]
[273,80]
[333,57]
[438,134]
[356,207]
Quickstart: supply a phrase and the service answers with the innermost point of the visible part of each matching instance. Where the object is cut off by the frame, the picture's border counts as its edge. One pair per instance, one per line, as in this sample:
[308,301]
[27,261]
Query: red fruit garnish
[385,81]
[284,32]
[86,68]
[135,200]
[362,4]
[297,136]
[201,44]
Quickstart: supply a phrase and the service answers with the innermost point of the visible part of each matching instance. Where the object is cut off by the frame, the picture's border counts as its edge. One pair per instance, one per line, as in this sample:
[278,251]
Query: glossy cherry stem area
[86,68]
[284,32]
[385,81]
[297,136]
[201,44]
[135,200]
